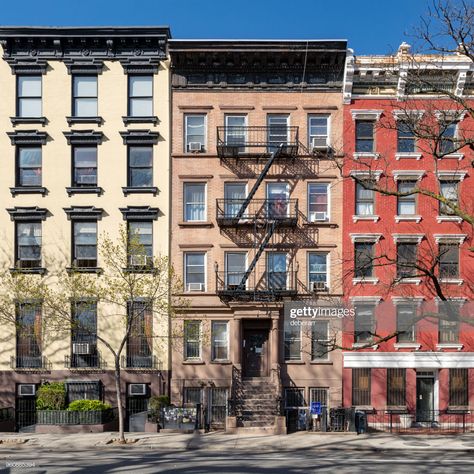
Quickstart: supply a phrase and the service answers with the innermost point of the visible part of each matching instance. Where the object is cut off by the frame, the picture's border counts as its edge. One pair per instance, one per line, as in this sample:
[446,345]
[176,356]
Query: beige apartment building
[256,224]
[84,136]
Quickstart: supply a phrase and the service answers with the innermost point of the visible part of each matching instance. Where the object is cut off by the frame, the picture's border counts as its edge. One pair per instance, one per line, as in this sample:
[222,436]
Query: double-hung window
[195,271]
[29,96]
[236,131]
[140,95]
[449,190]
[220,340]
[364,259]
[192,339]
[194,202]
[406,204]
[406,259]
[84,101]
[448,133]
[448,260]
[84,166]
[140,166]
[29,167]
[85,244]
[365,199]
[28,335]
[406,314]
[84,334]
[318,202]
[365,142]
[140,339]
[318,132]
[318,270]
[292,342]
[406,142]
[140,242]
[448,326]
[320,340]
[195,133]
[364,323]
[278,131]
[28,248]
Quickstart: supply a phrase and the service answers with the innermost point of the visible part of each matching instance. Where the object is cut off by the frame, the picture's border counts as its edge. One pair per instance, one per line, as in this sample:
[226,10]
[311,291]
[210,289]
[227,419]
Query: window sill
[97,270]
[294,362]
[458,409]
[72,120]
[401,155]
[369,280]
[84,190]
[19,120]
[452,156]
[396,409]
[440,347]
[364,345]
[399,218]
[321,362]
[359,155]
[368,408]
[452,281]
[35,271]
[193,362]
[331,225]
[448,219]
[28,190]
[407,345]
[374,218]
[129,119]
[221,362]
[138,270]
[195,224]
[412,281]
[139,190]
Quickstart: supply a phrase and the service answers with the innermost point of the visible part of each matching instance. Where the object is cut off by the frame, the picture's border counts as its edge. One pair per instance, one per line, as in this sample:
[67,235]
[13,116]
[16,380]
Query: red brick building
[406,352]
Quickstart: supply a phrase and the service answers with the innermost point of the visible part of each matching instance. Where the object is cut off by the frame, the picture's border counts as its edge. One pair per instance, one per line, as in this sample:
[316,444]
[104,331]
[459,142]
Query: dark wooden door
[424,398]
[255,353]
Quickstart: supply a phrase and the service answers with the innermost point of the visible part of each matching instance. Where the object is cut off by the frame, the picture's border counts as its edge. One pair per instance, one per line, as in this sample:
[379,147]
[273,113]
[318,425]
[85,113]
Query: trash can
[361,422]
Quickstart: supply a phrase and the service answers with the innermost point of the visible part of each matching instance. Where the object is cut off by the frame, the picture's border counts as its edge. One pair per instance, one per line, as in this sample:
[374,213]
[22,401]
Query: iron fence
[87,361]
[144,362]
[66,417]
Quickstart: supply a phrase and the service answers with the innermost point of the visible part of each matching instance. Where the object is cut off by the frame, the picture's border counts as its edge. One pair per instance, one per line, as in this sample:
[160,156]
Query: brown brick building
[256,222]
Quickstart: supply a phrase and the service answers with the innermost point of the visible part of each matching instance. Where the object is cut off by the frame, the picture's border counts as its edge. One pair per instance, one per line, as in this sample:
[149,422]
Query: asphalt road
[129,460]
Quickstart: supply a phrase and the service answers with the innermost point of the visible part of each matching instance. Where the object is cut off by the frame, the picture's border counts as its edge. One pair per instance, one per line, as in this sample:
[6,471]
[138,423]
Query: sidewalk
[218,441]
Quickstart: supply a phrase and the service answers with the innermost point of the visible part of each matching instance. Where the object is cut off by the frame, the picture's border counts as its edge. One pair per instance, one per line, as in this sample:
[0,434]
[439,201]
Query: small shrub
[155,404]
[88,405]
[51,396]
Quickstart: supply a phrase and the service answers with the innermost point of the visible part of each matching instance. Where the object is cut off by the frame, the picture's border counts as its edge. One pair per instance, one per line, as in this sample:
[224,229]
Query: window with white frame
[318,131]
[320,340]
[318,202]
[220,340]
[407,259]
[406,314]
[448,132]
[364,259]
[365,131]
[292,342]
[364,323]
[29,96]
[192,339]
[140,95]
[449,190]
[85,244]
[195,132]
[318,270]
[194,202]
[449,319]
[140,235]
[406,142]
[84,100]
[365,198]
[448,259]
[278,130]
[406,203]
[195,271]
[236,131]
[84,160]
[29,170]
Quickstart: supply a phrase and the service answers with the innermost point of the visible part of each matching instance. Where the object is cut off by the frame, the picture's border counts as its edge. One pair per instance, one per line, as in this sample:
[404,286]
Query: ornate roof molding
[84,137]
[83,49]
[27,213]
[140,137]
[84,213]
[138,213]
[28,137]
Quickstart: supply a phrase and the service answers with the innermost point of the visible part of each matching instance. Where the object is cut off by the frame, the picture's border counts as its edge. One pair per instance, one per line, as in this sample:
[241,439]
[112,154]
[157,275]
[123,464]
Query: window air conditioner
[319,216]
[319,286]
[27,389]
[139,260]
[195,146]
[195,286]
[319,144]
[81,348]
[137,389]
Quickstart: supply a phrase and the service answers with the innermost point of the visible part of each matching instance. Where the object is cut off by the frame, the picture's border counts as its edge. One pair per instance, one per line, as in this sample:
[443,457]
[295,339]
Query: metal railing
[67,417]
[285,211]
[29,362]
[238,141]
[144,362]
[86,361]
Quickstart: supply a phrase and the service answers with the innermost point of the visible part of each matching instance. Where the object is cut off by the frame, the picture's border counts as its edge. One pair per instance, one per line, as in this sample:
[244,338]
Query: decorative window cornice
[413,115]
[32,67]
[28,137]
[84,67]
[374,238]
[449,238]
[138,213]
[28,213]
[84,137]
[375,300]
[414,238]
[363,114]
[452,175]
[84,213]
[137,67]
[140,137]
[450,115]
[415,300]
[367,175]
[399,175]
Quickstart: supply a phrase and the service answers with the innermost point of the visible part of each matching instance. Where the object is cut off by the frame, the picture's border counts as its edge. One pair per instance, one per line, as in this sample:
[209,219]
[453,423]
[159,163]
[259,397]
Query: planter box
[65,429]
[406,420]
[65,417]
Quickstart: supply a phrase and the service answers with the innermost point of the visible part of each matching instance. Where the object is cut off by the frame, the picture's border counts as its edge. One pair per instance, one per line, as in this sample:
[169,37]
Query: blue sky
[371,26]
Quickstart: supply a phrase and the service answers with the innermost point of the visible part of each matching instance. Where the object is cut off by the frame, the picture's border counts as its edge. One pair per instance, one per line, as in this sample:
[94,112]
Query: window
[365,199]
[235,267]
[448,323]
[361,387]
[318,202]
[319,340]
[29,166]
[83,391]
[448,133]
[448,260]
[194,202]
[28,248]
[318,131]
[192,396]
[406,205]
[234,197]
[278,200]
[458,387]
[140,236]
[84,91]
[364,324]
[294,397]
[140,166]
[84,334]
[192,340]
[449,191]
[85,244]
[364,259]
[140,96]
[406,142]
[292,342]
[278,131]
[236,131]
[218,405]
[406,315]
[195,274]
[277,271]
[85,166]
[317,269]
[29,96]
[396,387]
[195,126]
[220,340]
[28,335]
[406,259]
[365,136]
[140,339]
[319,395]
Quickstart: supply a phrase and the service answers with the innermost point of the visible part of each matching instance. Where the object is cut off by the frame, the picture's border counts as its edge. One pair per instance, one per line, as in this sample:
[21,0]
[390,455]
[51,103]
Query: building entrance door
[255,353]
[424,396]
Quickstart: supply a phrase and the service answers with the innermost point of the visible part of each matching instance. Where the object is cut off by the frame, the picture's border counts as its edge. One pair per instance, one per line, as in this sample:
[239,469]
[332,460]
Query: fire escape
[264,218]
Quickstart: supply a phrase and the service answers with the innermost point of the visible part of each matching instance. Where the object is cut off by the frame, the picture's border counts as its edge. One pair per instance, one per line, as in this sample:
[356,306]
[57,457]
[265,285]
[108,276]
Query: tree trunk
[118,394]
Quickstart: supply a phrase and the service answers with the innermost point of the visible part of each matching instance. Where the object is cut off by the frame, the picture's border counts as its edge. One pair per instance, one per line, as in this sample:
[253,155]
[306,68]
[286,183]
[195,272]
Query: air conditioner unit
[195,287]
[140,260]
[137,389]
[27,389]
[195,146]
[81,348]
[86,179]
[319,144]
[318,216]
[319,286]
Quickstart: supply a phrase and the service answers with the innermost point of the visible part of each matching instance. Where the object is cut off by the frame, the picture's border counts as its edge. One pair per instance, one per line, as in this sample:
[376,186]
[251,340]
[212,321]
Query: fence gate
[25,408]
[137,407]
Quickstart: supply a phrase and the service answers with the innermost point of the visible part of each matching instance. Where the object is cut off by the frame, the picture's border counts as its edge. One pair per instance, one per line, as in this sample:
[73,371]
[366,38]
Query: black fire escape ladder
[255,187]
